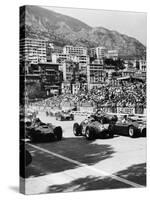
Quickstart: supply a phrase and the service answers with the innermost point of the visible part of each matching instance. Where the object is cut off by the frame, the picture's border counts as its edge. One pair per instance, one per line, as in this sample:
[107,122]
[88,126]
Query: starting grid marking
[99,171]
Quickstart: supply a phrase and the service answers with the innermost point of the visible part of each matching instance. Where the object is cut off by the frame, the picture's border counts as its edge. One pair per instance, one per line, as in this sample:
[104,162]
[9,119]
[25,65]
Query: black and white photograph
[83,101]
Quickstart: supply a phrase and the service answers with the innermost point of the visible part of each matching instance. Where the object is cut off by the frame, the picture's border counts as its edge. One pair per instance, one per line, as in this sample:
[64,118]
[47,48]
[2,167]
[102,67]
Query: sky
[133,24]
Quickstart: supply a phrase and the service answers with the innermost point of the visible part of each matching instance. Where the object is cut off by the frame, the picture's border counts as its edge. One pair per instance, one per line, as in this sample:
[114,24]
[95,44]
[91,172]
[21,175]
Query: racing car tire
[131,131]
[58,133]
[35,136]
[90,133]
[72,118]
[76,129]
[111,135]
[111,131]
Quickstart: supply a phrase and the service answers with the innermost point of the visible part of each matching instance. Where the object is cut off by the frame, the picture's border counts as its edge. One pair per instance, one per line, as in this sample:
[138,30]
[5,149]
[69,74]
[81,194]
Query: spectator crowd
[131,95]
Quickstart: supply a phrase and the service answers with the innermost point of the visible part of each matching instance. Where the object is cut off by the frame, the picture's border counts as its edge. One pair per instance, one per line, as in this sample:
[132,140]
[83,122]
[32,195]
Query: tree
[118,64]
[34,91]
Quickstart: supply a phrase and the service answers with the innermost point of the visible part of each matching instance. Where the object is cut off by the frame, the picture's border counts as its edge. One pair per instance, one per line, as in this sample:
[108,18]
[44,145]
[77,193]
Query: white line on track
[101,172]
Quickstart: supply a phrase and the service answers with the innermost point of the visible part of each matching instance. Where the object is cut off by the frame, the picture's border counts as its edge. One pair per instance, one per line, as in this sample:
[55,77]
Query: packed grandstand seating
[128,95]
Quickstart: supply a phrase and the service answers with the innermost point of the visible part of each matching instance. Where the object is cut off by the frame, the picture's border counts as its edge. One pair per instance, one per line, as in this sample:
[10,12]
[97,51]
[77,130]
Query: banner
[86,109]
[125,110]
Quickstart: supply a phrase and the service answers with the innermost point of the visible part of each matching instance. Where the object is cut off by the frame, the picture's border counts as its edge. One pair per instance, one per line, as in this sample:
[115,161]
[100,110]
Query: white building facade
[74,50]
[98,52]
[96,75]
[33,50]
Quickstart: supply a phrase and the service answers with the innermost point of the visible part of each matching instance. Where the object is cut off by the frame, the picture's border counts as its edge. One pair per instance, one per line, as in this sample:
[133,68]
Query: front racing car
[41,132]
[94,127]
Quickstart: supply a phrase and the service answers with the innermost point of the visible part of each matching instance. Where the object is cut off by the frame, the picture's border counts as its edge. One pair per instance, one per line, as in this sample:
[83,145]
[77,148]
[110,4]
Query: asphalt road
[75,164]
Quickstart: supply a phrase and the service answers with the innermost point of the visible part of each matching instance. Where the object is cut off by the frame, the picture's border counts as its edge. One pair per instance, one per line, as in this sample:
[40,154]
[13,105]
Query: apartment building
[128,72]
[142,65]
[96,75]
[98,52]
[33,50]
[74,50]
[66,87]
[70,71]
[61,58]
[112,54]
[48,74]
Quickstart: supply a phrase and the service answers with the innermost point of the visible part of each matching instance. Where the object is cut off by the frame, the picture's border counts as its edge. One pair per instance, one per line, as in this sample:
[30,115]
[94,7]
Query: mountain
[60,29]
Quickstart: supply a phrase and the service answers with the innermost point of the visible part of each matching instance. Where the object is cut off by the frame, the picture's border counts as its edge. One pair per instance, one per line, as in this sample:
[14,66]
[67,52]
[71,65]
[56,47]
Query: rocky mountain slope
[60,29]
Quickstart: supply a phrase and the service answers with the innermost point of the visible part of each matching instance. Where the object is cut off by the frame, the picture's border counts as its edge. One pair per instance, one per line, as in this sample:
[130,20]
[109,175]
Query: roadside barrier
[90,113]
[83,113]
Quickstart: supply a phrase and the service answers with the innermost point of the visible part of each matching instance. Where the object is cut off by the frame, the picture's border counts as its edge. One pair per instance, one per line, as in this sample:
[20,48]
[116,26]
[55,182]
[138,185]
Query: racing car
[64,115]
[95,126]
[38,131]
[130,126]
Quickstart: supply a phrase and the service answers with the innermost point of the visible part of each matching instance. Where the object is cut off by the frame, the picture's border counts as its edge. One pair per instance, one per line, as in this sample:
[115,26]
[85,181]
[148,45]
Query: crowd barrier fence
[118,110]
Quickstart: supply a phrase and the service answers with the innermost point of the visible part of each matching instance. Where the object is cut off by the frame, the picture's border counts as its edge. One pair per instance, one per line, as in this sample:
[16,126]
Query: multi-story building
[112,54]
[134,72]
[32,78]
[131,64]
[48,75]
[98,52]
[66,87]
[98,61]
[74,88]
[61,57]
[101,52]
[49,50]
[92,53]
[82,60]
[128,72]
[96,75]
[142,65]
[141,75]
[70,71]
[74,50]
[33,50]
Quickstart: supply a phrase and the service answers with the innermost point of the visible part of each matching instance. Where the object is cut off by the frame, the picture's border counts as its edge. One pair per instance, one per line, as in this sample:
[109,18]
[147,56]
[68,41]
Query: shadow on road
[78,149]
[135,173]
[14,188]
